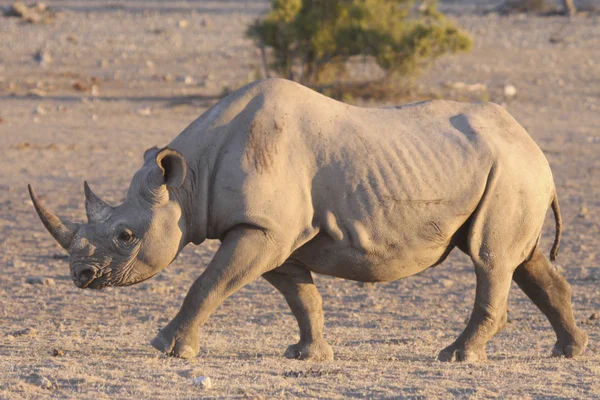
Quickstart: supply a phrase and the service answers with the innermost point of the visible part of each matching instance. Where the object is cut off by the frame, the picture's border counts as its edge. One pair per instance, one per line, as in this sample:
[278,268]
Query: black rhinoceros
[292,182]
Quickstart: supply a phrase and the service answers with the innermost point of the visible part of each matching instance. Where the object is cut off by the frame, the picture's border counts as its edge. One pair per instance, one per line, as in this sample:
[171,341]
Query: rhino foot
[572,346]
[318,350]
[455,353]
[176,344]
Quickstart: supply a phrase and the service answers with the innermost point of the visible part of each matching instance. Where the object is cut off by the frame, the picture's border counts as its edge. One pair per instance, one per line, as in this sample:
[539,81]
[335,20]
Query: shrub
[313,40]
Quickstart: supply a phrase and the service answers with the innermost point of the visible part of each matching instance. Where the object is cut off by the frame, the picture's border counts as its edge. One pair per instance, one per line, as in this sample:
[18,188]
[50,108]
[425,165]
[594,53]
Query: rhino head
[127,244]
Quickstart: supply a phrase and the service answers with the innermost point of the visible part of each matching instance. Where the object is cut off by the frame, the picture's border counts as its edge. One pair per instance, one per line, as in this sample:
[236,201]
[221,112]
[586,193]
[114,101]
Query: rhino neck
[192,198]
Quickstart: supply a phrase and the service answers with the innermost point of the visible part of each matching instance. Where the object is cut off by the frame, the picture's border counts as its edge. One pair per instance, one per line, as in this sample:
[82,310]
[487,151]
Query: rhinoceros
[292,183]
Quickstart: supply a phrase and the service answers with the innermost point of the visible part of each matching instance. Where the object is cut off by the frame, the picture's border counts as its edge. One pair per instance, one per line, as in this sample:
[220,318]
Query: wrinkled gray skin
[292,182]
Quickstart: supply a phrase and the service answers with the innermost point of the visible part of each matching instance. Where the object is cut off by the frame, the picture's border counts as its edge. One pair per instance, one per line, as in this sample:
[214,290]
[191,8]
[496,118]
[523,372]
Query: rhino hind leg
[552,295]
[297,286]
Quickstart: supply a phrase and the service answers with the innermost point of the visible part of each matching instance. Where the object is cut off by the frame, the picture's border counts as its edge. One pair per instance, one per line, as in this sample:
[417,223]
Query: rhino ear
[172,166]
[150,153]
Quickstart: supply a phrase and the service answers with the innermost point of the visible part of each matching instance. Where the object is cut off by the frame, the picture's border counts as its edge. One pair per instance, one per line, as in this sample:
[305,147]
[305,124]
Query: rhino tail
[558,221]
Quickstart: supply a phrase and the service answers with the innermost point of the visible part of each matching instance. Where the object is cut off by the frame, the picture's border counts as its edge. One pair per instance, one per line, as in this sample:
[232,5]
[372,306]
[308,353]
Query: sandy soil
[83,97]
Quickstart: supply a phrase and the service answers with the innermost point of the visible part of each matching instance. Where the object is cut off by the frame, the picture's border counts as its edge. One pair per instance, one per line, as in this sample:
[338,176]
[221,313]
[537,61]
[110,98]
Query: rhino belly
[387,263]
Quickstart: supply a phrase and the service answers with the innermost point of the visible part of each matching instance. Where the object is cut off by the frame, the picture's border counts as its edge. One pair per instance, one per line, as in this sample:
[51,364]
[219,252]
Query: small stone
[145,112]
[95,91]
[103,63]
[43,57]
[58,353]
[80,86]
[510,90]
[183,23]
[203,382]
[40,110]
[40,280]
[447,283]
[188,80]
[36,93]
[583,211]
[594,316]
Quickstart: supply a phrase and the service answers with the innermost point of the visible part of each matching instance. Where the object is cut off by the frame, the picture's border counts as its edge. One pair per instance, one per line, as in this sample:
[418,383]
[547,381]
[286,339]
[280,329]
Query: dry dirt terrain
[82,97]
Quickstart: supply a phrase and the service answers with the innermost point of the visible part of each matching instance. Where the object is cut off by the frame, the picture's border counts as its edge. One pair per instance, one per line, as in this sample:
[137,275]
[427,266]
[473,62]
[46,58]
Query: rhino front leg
[297,286]
[244,255]
[552,294]
[487,319]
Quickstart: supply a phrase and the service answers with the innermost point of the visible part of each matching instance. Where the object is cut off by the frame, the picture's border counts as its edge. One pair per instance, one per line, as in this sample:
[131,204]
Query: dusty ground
[385,337]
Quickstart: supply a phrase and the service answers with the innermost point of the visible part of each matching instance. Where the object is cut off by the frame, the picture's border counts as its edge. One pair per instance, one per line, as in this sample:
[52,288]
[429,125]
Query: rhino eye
[126,236]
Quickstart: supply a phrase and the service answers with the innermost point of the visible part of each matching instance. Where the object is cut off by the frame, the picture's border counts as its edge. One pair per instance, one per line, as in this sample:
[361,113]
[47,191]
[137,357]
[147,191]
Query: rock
[203,382]
[36,13]
[40,280]
[594,316]
[41,381]
[58,353]
[30,332]
[183,23]
[510,90]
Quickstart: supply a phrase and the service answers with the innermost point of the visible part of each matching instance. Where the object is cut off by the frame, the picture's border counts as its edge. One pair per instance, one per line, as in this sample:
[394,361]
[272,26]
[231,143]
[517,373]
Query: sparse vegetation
[312,41]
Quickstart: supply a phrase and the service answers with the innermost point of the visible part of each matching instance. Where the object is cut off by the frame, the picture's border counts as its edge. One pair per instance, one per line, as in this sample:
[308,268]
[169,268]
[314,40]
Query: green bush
[312,40]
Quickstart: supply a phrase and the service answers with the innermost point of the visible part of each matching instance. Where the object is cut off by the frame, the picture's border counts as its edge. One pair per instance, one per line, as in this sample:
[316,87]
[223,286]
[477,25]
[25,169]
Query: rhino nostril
[85,277]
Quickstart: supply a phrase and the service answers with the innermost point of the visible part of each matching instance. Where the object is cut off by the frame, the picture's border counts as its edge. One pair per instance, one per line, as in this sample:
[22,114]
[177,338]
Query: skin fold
[294,183]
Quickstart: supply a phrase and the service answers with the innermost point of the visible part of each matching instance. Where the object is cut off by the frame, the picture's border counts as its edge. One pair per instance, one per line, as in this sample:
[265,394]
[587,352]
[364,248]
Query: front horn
[62,230]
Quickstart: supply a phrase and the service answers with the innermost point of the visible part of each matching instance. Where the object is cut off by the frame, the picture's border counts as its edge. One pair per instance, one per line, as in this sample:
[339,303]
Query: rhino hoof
[167,344]
[571,347]
[455,354]
[318,350]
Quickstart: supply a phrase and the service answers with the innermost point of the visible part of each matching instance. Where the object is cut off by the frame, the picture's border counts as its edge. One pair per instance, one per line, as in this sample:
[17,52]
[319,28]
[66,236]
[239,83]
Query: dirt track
[110,81]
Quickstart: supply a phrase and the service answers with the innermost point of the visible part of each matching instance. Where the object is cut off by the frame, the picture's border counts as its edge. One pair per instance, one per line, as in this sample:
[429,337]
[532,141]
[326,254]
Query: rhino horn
[62,230]
[96,209]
